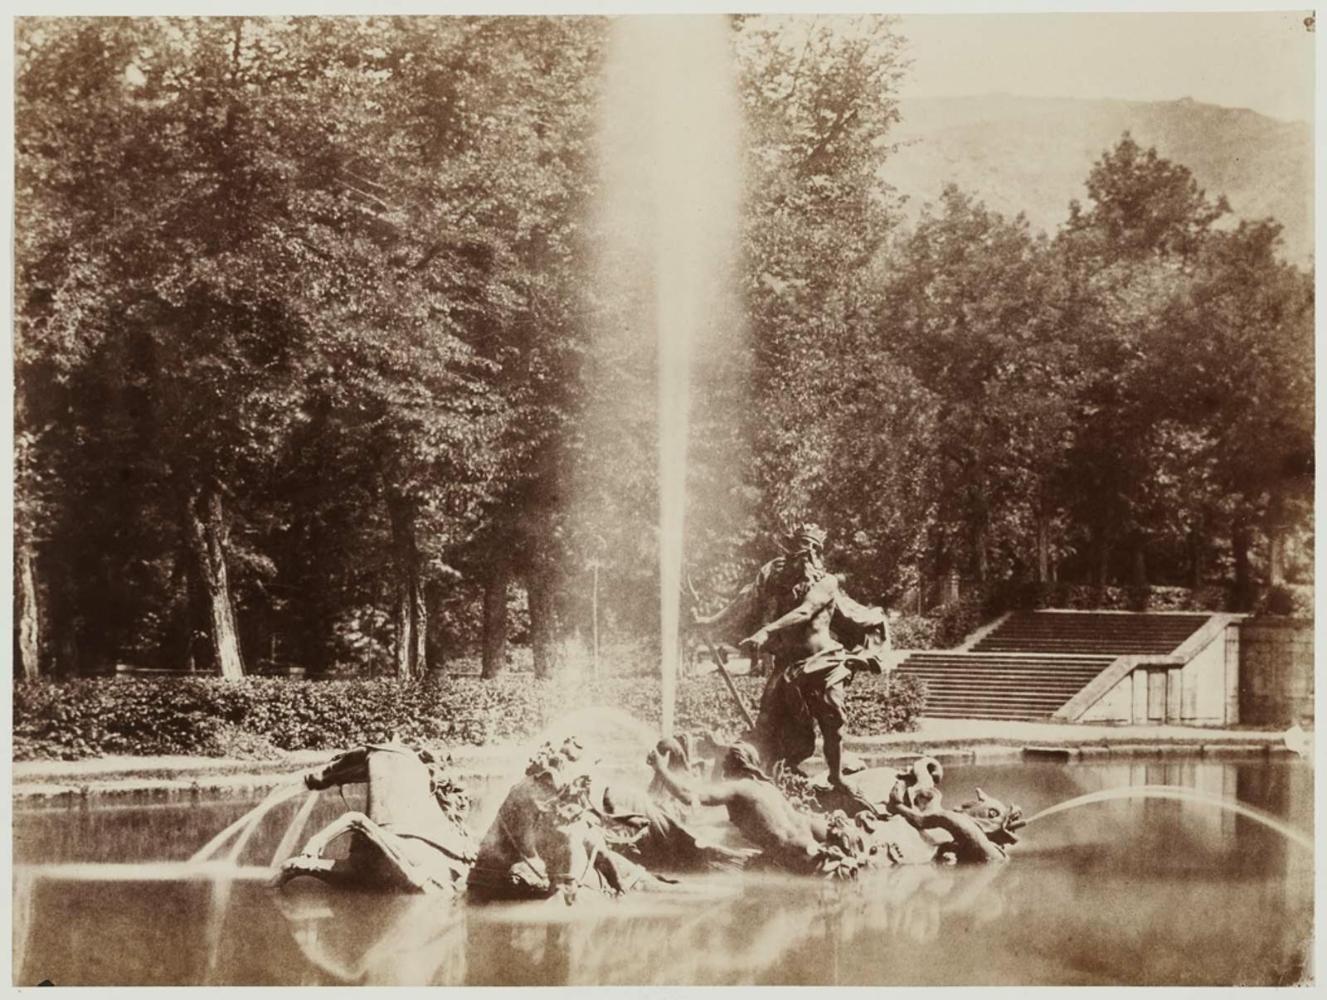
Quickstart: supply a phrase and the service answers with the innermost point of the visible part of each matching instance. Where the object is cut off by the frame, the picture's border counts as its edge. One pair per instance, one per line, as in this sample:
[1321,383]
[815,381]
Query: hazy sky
[1260,60]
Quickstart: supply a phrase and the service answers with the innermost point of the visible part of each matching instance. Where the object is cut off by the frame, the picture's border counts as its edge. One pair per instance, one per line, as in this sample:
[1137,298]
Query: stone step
[1022,660]
[985,679]
[961,709]
[979,656]
[1090,633]
[1086,629]
[1055,643]
[992,691]
[990,676]
[1138,637]
[1047,702]
[1002,698]
[938,690]
[1009,701]
[1153,617]
[1132,635]
[1062,623]
[1109,653]
[960,669]
[1049,670]
[1034,663]
[982,670]
[1094,628]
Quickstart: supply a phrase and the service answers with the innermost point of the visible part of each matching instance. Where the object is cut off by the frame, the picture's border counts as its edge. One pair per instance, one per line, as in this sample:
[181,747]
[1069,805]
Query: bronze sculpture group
[562,829]
[818,637]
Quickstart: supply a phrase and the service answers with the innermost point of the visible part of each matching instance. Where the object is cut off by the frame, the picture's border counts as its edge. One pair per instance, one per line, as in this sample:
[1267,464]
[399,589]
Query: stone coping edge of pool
[172,779]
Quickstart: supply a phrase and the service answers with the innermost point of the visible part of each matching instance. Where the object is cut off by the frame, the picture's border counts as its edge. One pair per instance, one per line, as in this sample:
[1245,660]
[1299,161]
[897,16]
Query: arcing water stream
[242,829]
[1181,794]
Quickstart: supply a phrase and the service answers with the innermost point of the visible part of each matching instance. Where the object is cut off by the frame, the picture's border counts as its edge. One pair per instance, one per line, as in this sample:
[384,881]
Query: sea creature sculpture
[412,837]
[852,833]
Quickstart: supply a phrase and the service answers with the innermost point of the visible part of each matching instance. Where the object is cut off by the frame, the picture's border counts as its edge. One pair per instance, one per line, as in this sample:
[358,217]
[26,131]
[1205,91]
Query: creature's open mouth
[1004,832]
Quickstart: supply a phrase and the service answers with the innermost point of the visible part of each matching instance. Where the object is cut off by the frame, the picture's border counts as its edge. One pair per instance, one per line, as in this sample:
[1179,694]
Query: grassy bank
[260,717]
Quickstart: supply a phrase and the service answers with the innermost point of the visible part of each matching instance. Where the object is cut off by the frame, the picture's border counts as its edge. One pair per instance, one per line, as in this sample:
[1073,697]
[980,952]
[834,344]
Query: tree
[969,308]
[819,99]
[290,217]
[1241,375]
[1126,257]
[1143,204]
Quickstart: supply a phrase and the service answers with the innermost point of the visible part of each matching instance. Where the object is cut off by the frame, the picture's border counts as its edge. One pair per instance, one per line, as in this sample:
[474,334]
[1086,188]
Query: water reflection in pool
[1138,892]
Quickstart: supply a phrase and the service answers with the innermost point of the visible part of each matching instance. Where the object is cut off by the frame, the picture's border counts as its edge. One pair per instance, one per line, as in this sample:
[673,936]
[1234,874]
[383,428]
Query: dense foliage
[255,716]
[304,314]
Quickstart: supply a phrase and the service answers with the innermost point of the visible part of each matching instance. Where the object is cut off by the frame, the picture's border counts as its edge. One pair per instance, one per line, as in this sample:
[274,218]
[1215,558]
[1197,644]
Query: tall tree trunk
[411,628]
[435,652]
[495,619]
[420,645]
[26,614]
[543,621]
[1103,560]
[208,533]
[1140,564]
[983,554]
[176,646]
[1043,548]
[1197,556]
[199,649]
[405,622]
[594,621]
[1274,528]
[68,653]
[1240,542]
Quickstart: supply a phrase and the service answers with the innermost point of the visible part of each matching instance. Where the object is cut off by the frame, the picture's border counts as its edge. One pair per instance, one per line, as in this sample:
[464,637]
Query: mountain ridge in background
[1033,155]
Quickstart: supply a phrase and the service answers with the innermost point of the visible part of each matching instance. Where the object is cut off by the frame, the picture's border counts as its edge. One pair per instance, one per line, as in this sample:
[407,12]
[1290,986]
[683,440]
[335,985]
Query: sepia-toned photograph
[724,499]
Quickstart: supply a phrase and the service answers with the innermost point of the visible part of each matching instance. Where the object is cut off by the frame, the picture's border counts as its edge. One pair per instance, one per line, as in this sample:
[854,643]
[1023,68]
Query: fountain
[670,200]
[670,203]
[240,926]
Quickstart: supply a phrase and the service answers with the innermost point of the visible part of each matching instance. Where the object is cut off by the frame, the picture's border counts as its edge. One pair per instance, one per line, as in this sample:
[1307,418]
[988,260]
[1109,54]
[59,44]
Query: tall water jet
[670,170]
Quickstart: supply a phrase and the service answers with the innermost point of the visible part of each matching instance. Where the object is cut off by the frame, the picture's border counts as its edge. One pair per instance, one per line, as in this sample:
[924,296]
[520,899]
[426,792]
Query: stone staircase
[1116,633]
[1035,661]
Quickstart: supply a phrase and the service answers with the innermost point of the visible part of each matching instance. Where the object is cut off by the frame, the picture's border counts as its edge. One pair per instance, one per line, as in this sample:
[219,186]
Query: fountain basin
[1106,894]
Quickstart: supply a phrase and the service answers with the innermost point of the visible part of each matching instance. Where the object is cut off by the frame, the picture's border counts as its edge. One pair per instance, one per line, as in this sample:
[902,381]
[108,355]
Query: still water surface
[1124,892]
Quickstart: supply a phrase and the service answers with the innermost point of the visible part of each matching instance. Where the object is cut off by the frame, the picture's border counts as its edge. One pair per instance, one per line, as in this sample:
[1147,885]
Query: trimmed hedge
[945,628]
[261,716]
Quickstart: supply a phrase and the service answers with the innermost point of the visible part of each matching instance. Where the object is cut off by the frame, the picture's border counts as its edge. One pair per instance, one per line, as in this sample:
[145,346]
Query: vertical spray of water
[670,203]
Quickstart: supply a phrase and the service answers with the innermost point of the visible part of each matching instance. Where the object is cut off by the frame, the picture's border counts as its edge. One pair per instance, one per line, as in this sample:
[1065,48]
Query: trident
[720,660]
